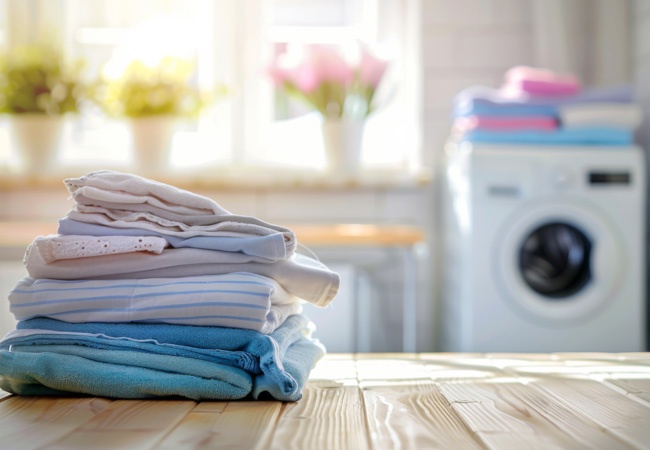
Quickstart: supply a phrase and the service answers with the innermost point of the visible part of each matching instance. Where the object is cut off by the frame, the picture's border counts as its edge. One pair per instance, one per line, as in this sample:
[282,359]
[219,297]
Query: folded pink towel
[505,123]
[540,82]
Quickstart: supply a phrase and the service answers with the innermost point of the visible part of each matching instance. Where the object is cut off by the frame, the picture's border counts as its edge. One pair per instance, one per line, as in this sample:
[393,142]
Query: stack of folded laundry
[539,106]
[151,291]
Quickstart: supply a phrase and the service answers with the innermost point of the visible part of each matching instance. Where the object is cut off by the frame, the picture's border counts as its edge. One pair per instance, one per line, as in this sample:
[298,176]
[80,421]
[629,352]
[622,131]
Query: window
[232,43]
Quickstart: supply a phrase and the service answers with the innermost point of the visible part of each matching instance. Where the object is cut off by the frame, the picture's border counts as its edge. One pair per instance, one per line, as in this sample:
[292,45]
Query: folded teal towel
[57,373]
[278,364]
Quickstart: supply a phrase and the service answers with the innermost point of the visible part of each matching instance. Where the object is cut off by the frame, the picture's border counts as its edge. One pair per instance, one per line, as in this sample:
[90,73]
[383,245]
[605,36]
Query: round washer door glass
[558,262]
[555,260]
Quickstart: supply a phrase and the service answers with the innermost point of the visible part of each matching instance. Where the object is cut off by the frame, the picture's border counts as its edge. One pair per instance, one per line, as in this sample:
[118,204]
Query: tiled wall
[466,42]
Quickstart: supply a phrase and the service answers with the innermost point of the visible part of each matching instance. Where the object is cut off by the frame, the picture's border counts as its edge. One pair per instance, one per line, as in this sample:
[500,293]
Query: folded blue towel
[488,101]
[279,363]
[270,246]
[561,136]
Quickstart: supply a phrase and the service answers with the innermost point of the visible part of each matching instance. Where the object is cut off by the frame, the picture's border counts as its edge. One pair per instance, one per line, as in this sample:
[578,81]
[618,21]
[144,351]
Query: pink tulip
[304,78]
[371,68]
[329,65]
[278,74]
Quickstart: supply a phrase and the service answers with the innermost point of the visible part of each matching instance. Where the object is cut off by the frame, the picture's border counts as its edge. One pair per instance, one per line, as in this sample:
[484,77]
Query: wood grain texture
[375,401]
[236,425]
[35,422]
[131,424]
[327,417]
[622,417]
[413,415]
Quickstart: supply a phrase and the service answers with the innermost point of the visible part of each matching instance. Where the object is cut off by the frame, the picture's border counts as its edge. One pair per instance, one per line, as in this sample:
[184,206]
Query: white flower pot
[343,141]
[37,138]
[152,139]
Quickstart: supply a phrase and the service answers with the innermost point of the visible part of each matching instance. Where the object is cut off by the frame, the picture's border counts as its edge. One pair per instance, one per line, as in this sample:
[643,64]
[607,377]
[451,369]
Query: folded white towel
[149,204]
[117,187]
[299,275]
[54,247]
[612,115]
[148,221]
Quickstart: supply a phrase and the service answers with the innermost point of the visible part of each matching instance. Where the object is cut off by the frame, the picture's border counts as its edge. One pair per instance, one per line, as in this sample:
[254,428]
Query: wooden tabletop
[375,401]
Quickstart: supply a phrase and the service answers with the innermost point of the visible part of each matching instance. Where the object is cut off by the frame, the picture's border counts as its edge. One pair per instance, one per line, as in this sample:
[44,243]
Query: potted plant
[152,98]
[340,89]
[37,88]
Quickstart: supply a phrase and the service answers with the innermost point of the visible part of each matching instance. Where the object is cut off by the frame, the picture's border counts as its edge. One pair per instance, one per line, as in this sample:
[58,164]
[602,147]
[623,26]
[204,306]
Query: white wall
[641,57]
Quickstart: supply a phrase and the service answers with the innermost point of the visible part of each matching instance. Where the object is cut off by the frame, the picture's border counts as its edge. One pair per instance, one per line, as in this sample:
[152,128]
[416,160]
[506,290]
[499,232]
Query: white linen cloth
[300,275]
[235,300]
[54,247]
[128,201]
[607,114]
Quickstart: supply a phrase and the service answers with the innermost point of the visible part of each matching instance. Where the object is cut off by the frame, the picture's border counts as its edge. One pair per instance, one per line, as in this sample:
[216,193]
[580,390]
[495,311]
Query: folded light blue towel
[561,136]
[488,101]
[132,375]
[278,364]
[270,246]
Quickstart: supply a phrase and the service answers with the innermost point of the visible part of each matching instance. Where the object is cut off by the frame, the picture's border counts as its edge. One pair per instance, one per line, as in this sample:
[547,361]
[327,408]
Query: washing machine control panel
[600,177]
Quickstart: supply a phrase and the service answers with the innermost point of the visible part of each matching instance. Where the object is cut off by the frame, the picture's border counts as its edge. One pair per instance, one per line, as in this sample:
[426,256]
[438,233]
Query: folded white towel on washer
[128,201]
[611,115]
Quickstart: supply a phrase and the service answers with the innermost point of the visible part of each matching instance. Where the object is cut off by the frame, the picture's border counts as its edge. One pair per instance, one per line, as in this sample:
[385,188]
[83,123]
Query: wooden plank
[34,422]
[413,415]
[509,414]
[392,367]
[132,424]
[355,234]
[327,417]
[336,368]
[247,425]
[638,389]
[625,418]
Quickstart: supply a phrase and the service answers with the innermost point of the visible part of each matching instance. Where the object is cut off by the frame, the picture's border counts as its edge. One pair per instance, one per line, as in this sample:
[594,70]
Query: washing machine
[544,249]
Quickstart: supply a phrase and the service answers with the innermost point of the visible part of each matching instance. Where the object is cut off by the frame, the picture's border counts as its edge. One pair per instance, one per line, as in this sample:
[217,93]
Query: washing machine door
[558,261]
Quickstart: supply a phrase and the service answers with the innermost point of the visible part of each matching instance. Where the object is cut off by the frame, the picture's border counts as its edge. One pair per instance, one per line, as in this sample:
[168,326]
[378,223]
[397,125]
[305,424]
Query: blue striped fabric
[239,300]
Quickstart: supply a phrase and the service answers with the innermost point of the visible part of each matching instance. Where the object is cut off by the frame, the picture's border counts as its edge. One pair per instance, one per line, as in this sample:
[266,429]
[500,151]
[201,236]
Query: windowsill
[240,178]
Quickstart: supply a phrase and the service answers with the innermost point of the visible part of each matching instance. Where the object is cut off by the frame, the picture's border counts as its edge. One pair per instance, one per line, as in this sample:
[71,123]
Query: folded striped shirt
[236,300]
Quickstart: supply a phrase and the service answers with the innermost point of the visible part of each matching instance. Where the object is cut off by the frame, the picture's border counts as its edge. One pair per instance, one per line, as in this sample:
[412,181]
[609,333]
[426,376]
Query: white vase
[343,141]
[37,138]
[152,138]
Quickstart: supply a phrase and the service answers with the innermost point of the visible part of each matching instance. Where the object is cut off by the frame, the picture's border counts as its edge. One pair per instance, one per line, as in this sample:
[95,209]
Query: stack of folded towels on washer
[151,291]
[539,106]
